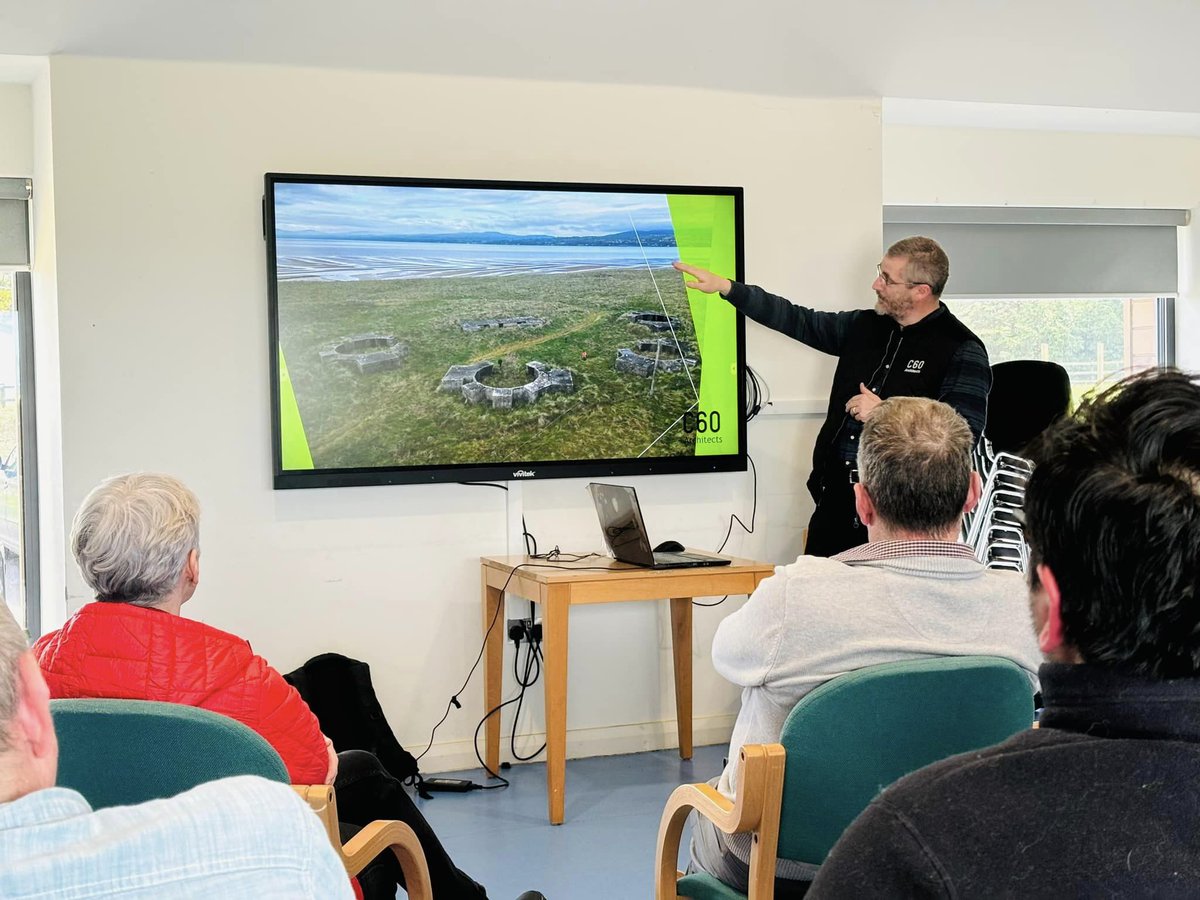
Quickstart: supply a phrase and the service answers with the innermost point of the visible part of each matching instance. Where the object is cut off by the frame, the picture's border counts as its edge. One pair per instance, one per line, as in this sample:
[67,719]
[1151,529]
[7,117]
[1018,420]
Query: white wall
[993,167]
[162,313]
[16,131]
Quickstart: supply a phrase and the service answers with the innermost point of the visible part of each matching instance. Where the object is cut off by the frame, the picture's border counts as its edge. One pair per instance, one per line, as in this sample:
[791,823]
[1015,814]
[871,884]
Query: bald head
[12,647]
[28,747]
[914,459]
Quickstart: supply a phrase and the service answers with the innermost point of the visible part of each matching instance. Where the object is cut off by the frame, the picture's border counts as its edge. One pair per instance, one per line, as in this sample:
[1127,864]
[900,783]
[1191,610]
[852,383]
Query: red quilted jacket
[120,651]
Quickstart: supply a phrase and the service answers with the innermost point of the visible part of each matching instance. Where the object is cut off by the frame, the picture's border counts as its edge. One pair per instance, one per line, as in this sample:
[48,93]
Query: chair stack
[995,529]
[1027,396]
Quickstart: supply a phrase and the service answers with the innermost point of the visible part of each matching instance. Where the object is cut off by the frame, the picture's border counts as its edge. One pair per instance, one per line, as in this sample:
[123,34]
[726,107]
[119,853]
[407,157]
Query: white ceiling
[1106,54]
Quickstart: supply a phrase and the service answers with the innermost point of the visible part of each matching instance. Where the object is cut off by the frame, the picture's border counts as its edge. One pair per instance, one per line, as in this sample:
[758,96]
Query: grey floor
[603,851]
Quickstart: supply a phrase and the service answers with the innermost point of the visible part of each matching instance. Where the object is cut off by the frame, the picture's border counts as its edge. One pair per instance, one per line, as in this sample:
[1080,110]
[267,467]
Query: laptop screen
[621,523]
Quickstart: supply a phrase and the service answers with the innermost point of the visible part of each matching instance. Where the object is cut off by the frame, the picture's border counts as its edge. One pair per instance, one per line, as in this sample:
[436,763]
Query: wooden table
[596,579]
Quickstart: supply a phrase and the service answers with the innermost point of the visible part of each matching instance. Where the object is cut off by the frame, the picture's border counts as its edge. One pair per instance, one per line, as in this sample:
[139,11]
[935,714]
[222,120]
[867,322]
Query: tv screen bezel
[518,471]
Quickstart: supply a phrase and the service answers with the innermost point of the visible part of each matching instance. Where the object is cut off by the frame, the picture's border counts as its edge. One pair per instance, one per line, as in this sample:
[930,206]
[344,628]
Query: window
[19,558]
[1092,289]
[11,518]
[1096,339]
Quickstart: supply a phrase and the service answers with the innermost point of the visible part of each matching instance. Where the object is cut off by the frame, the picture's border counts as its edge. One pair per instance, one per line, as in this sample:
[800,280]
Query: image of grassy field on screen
[456,279]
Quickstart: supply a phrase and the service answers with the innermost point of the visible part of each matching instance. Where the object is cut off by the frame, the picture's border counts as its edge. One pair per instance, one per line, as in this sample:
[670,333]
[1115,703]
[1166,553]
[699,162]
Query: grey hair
[132,536]
[12,647]
[927,262]
[914,459]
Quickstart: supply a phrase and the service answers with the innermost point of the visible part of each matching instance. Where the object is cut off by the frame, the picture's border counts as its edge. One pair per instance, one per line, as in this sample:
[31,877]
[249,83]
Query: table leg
[493,674]
[681,644]
[554,624]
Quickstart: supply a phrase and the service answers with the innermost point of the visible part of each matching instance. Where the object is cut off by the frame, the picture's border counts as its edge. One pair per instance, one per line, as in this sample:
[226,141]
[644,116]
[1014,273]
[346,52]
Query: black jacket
[340,694]
[1103,800]
[937,357]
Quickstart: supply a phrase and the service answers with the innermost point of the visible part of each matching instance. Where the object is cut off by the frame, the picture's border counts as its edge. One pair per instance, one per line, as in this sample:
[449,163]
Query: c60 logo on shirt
[915,366]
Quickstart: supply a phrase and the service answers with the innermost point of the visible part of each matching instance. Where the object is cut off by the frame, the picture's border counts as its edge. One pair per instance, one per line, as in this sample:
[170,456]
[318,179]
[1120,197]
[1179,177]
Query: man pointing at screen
[910,345]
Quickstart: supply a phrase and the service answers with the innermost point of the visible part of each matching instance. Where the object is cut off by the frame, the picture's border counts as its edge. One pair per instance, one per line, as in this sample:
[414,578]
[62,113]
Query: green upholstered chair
[841,745]
[119,752]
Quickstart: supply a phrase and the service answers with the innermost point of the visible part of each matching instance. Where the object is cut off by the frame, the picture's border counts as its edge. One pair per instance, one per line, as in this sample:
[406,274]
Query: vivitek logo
[523,473]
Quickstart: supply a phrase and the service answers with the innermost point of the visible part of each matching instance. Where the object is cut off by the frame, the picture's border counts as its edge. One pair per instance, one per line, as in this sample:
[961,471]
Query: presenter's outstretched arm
[706,281]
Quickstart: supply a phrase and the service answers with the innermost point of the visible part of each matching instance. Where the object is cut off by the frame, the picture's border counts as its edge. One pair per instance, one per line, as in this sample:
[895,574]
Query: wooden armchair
[371,841]
[755,811]
[839,747]
[118,752]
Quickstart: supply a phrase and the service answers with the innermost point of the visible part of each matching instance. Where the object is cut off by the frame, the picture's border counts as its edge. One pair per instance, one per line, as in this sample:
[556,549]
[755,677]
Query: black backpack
[339,692]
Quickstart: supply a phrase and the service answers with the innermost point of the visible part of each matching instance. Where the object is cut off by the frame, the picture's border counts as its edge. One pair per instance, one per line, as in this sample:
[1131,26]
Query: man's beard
[892,308]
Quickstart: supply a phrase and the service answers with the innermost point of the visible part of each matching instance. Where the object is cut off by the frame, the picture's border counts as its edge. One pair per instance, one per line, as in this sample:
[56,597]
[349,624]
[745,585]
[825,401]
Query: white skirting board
[453,756]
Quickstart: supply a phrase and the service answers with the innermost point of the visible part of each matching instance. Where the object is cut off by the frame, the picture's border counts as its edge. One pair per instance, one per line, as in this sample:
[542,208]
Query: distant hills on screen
[663,237]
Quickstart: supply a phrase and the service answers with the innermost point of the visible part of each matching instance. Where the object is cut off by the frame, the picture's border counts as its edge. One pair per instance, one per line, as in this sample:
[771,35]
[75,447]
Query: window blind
[14,221]
[1014,251]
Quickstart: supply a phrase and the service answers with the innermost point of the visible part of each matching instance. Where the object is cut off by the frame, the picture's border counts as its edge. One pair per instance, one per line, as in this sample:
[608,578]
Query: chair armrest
[372,840]
[379,836]
[754,810]
[321,800]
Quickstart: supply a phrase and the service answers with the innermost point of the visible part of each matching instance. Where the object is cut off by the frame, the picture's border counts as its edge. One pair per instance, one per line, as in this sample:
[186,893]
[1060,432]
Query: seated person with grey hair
[52,844]
[136,539]
[912,592]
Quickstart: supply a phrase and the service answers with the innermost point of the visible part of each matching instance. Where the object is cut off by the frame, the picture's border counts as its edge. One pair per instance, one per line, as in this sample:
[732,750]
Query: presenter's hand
[333,761]
[862,404]
[706,281]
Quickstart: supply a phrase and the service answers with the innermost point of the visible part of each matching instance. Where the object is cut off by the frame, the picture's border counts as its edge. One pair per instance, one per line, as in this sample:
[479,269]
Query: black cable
[454,697]
[482,764]
[517,699]
[497,709]
[502,487]
[733,517]
[754,385]
[559,556]
[532,656]
[527,537]
[454,702]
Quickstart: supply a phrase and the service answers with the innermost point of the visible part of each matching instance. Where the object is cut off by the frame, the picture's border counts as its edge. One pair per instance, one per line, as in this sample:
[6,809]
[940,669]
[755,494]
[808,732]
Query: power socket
[524,630]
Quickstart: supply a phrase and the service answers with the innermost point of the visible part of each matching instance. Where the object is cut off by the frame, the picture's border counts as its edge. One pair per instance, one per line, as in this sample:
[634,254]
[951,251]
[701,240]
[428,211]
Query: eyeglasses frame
[887,279]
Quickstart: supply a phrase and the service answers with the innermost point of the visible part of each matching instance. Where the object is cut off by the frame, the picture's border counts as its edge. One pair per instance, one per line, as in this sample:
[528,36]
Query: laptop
[625,532]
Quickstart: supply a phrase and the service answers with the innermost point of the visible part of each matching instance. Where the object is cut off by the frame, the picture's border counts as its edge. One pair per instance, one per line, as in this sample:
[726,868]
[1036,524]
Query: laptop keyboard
[664,557]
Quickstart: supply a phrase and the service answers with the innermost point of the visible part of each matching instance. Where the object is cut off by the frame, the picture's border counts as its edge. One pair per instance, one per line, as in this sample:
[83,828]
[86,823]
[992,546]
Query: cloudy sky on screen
[330,210]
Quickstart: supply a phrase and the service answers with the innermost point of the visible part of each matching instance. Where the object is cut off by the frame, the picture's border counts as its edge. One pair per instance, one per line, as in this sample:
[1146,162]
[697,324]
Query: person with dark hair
[912,592]
[910,345]
[1104,797]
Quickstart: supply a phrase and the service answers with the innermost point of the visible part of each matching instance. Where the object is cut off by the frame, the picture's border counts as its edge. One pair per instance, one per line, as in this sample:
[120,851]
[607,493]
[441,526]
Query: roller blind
[14,221]
[1012,251]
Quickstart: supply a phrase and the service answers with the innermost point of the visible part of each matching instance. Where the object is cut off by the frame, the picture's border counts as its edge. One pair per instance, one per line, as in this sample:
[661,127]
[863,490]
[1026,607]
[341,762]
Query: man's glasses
[887,280]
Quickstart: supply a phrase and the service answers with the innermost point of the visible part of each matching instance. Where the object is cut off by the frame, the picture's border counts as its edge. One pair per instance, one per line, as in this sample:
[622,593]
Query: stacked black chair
[1027,396]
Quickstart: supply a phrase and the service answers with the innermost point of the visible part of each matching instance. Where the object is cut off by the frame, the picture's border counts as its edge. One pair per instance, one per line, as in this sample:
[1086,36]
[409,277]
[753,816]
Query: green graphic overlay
[704,234]
[293,443]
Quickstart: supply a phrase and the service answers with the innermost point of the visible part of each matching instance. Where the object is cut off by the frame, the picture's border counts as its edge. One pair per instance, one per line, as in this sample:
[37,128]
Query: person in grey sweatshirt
[913,591]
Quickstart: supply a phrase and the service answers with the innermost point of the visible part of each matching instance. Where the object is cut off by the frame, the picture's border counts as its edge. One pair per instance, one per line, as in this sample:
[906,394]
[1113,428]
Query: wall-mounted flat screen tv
[430,330]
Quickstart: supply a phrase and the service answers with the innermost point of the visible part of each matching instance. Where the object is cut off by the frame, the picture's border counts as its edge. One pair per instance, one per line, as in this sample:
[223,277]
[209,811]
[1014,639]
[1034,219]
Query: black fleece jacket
[1103,800]
[937,357]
